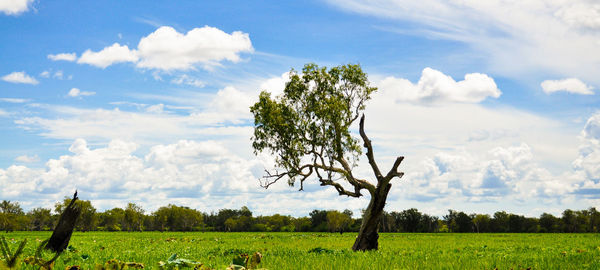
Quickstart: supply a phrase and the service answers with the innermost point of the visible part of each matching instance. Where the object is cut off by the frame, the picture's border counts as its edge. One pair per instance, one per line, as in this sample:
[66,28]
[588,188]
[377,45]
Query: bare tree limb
[367,144]
[394,170]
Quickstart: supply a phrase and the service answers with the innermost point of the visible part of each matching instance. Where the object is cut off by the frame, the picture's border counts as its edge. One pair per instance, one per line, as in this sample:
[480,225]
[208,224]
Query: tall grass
[330,251]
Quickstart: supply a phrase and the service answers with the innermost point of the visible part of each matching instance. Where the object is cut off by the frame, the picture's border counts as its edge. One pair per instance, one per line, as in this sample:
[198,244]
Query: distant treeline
[181,218]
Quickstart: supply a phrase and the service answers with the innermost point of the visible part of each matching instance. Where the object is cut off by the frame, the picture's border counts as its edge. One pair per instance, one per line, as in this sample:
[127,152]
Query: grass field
[330,251]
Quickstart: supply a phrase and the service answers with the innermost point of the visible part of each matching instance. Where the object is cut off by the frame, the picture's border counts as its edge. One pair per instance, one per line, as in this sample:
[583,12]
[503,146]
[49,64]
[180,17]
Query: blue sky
[495,105]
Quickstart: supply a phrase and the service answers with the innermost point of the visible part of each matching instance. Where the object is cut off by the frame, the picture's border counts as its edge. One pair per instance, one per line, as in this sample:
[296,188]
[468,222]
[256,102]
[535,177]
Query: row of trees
[181,218]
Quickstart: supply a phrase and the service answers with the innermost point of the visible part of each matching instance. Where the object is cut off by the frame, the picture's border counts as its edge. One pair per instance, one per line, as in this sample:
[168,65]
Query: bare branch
[394,170]
[367,144]
[357,183]
[341,190]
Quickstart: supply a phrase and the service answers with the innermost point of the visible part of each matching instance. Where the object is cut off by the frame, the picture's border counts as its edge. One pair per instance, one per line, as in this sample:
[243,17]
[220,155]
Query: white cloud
[436,87]
[113,54]
[275,85]
[14,100]
[70,57]
[3,113]
[185,169]
[58,75]
[555,37]
[581,15]
[14,7]
[19,77]
[148,126]
[166,49]
[504,173]
[589,151]
[187,80]
[571,85]
[28,159]
[158,108]
[421,131]
[232,104]
[75,92]
[208,175]
[448,159]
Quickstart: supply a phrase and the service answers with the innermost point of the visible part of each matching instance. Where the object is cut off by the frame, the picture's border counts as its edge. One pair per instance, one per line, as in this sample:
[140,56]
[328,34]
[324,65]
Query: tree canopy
[307,128]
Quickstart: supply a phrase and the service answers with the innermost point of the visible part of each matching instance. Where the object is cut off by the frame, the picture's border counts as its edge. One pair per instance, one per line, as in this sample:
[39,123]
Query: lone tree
[307,129]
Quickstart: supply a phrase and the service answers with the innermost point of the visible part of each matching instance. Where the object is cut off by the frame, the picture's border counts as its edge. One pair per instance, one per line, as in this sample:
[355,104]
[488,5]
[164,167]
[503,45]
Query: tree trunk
[368,235]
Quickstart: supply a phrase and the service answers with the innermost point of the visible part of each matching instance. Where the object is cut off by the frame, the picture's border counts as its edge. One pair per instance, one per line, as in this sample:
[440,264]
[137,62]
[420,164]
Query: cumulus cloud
[571,85]
[70,57]
[113,54]
[436,87]
[75,92]
[558,37]
[14,7]
[166,49]
[19,77]
[275,85]
[580,14]
[503,173]
[233,104]
[27,159]
[507,173]
[185,169]
[589,151]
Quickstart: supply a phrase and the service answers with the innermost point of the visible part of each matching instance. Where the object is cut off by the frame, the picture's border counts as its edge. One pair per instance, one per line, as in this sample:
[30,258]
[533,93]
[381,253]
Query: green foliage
[40,219]
[177,218]
[244,261]
[337,221]
[175,263]
[11,216]
[133,217]
[313,116]
[10,259]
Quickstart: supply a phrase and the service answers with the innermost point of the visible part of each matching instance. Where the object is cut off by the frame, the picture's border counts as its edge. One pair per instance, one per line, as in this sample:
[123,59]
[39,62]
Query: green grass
[332,251]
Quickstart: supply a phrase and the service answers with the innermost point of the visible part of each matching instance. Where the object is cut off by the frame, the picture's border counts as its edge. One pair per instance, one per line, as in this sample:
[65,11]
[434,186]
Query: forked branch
[367,144]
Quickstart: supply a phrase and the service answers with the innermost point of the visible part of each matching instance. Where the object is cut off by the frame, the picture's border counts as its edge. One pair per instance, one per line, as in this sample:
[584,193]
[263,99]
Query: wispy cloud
[14,100]
[70,57]
[27,159]
[556,37]
[75,92]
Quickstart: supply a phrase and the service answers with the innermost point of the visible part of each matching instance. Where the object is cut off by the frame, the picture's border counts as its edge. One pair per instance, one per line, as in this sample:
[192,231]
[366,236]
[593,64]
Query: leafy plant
[11,258]
[175,263]
[244,261]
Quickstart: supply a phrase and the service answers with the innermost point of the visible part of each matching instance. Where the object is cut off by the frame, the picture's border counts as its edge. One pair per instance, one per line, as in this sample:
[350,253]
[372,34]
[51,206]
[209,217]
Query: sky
[494,104]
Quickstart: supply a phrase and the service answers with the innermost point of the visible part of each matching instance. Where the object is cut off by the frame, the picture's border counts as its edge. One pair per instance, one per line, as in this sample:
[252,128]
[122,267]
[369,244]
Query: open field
[331,251]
